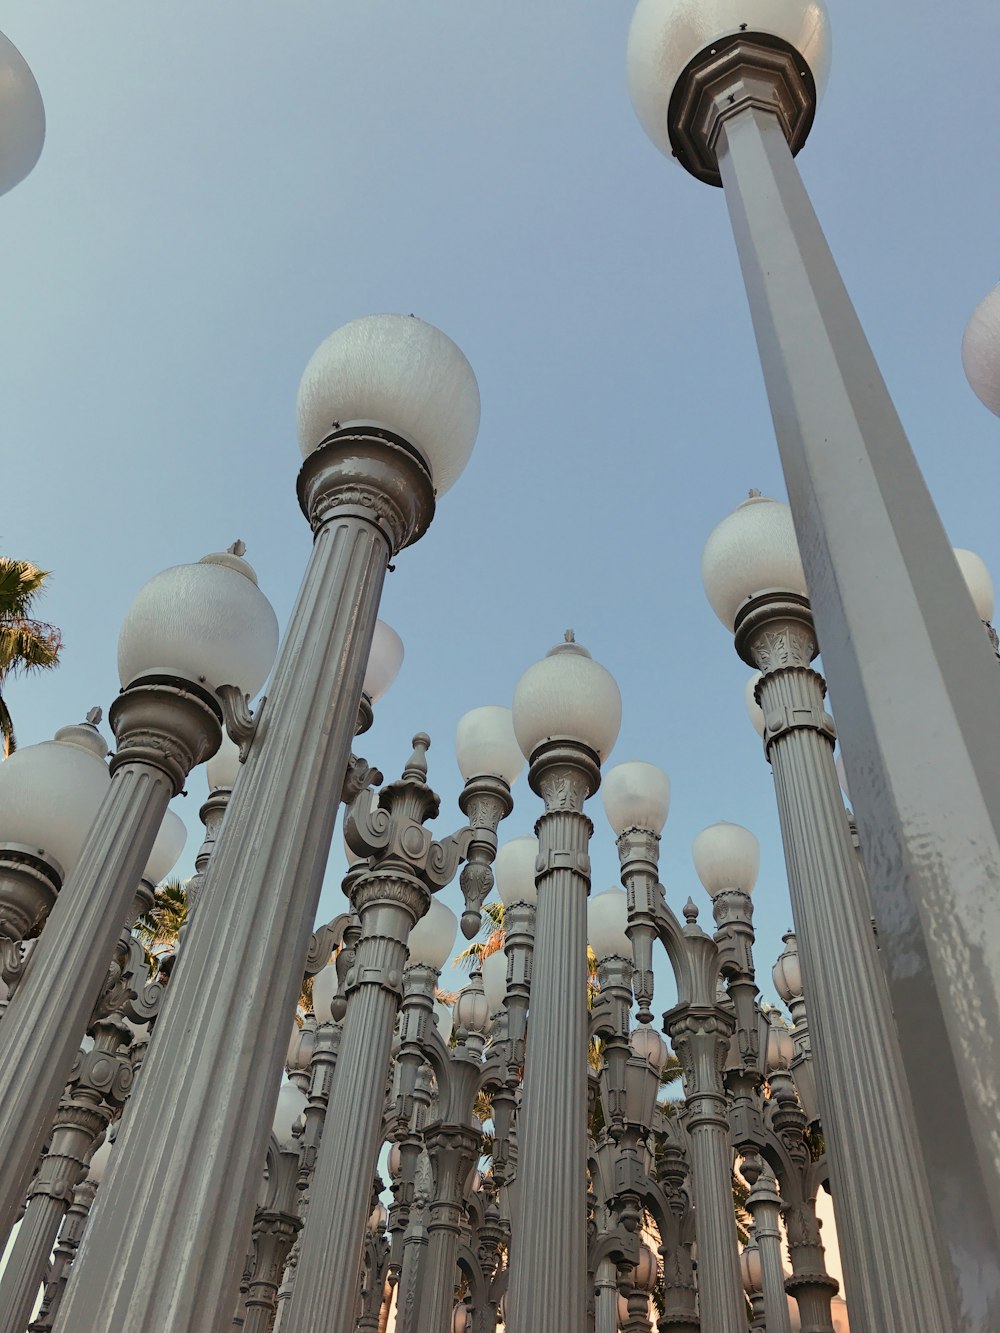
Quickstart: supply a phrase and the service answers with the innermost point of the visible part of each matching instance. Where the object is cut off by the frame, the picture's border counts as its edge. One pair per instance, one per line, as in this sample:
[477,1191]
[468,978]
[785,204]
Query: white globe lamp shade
[780,1047]
[50,794]
[324,988]
[754,711]
[433,937]
[787,973]
[167,847]
[485,744]
[750,1270]
[567,696]
[607,917]
[977,580]
[514,871]
[378,1220]
[648,1045]
[753,550]
[981,350]
[384,660]
[726,856]
[471,1010]
[666,35]
[399,373]
[646,1270]
[292,1101]
[636,795]
[99,1162]
[224,765]
[445,1022]
[207,622]
[22,117]
[494,973]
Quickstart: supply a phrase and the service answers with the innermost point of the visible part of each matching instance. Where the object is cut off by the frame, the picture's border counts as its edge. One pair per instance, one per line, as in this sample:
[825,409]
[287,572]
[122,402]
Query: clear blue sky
[223,184]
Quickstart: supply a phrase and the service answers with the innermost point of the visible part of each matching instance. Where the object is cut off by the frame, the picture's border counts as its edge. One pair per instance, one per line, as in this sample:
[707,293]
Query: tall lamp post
[388,411]
[567,711]
[730,89]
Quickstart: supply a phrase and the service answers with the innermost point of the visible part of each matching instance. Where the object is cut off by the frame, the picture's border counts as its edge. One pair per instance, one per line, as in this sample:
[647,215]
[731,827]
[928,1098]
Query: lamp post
[191,629]
[367,491]
[22,117]
[730,89]
[892,1254]
[567,711]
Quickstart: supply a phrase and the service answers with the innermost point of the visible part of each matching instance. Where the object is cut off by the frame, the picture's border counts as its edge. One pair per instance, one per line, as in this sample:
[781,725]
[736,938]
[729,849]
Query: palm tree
[25,644]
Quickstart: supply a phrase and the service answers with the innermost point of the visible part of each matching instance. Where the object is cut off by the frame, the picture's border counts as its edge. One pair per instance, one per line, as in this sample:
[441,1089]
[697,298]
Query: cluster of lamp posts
[586,1166]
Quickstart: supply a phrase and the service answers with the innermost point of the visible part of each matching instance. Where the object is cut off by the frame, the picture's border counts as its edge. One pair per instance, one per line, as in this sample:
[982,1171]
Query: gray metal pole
[606,1297]
[764,1206]
[912,675]
[163,730]
[366,496]
[810,1285]
[453,1151]
[548,1266]
[892,1255]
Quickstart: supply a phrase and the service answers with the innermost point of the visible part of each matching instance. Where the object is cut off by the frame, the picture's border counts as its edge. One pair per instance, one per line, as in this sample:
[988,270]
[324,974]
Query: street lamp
[730,89]
[387,415]
[22,117]
[567,711]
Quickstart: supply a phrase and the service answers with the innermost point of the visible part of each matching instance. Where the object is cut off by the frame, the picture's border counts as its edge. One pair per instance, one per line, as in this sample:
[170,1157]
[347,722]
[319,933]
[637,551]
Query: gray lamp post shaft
[548,1272]
[163,730]
[453,1151]
[764,1206]
[891,1255]
[238,977]
[930,831]
[69,1239]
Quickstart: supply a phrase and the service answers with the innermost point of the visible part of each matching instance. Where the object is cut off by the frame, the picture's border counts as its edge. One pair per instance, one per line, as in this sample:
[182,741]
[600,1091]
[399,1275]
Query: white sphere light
[666,35]
[648,1045]
[567,696]
[22,117]
[445,1022]
[50,794]
[981,351]
[607,917]
[224,765]
[292,1101]
[471,1009]
[485,744]
[207,622]
[753,550]
[397,372]
[167,847]
[99,1162]
[514,871]
[494,972]
[636,795]
[324,988]
[726,856]
[754,711]
[433,937]
[977,580]
[384,660]
[787,972]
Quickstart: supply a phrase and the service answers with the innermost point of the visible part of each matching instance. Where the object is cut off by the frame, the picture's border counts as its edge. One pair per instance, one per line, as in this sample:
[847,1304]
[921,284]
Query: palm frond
[28,645]
[8,741]
[20,583]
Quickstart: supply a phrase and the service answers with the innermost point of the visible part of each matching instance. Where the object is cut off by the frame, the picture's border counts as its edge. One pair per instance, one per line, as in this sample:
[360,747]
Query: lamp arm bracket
[322,943]
[241,722]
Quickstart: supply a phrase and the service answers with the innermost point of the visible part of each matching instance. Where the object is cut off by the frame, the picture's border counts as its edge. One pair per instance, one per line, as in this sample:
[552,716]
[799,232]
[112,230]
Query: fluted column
[606,1297]
[69,1239]
[701,1037]
[163,730]
[365,497]
[453,1151]
[274,1234]
[810,1284]
[549,1249]
[886,1216]
[764,1206]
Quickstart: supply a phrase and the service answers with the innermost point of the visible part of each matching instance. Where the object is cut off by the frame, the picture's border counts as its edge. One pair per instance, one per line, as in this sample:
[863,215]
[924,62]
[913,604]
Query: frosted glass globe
[324,988]
[752,550]
[433,937]
[607,917]
[445,1022]
[666,35]
[384,660]
[750,1269]
[567,696]
[99,1162]
[981,350]
[222,768]
[648,1045]
[397,372]
[494,971]
[726,856]
[207,622]
[50,794]
[167,848]
[636,795]
[754,711]
[22,117]
[787,972]
[292,1101]
[514,871]
[977,580]
[485,744]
